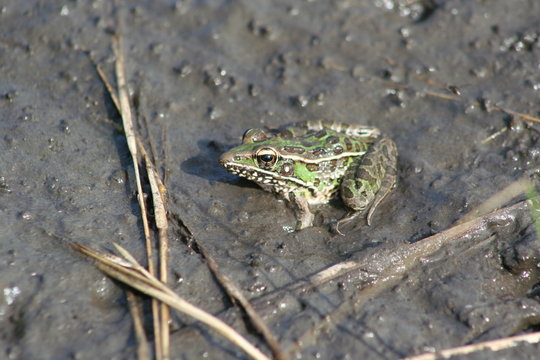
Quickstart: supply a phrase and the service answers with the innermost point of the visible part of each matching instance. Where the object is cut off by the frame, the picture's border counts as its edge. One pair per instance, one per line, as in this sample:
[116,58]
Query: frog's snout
[225,158]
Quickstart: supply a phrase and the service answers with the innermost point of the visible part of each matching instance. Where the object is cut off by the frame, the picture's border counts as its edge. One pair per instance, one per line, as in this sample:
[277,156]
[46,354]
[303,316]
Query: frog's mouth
[265,177]
[251,173]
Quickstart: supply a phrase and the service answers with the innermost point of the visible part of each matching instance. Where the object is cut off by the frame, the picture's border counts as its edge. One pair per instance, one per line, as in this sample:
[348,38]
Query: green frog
[308,163]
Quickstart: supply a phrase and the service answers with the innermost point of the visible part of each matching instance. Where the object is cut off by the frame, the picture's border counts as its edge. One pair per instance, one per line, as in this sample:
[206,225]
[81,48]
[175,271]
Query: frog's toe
[334,229]
[370,215]
[344,220]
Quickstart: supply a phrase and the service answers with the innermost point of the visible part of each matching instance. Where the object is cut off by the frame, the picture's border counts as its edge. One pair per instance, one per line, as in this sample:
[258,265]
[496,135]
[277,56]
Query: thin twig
[162,224]
[497,200]
[160,215]
[443,96]
[163,158]
[236,294]
[476,103]
[131,273]
[143,349]
[108,86]
[493,345]
[494,135]
[125,110]
[517,114]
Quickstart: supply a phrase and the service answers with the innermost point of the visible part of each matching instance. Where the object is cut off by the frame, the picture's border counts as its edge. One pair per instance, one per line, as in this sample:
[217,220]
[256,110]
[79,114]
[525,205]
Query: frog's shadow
[206,164]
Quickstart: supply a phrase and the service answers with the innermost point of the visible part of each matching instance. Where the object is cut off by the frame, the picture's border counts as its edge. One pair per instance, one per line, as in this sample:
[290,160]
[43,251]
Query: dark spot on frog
[367,162]
[287,169]
[332,139]
[294,149]
[363,174]
[319,151]
[387,150]
[346,192]
[348,144]
[338,149]
[286,134]
[312,167]
[320,134]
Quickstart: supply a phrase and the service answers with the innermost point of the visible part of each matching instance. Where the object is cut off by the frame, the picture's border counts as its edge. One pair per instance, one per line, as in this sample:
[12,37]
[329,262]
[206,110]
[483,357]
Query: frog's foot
[304,216]
[304,221]
[345,219]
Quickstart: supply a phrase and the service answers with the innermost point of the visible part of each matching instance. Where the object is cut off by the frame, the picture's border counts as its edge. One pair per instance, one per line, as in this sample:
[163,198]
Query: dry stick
[143,349]
[508,193]
[129,131]
[164,132]
[108,86]
[495,107]
[402,260]
[131,273]
[235,293]
[518,114]
[494,135]
[164,313]
[163,241]
[493,345]
[443,96]
[160,213]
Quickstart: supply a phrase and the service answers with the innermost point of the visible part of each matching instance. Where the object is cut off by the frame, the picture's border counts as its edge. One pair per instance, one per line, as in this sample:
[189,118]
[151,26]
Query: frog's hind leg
[365,185]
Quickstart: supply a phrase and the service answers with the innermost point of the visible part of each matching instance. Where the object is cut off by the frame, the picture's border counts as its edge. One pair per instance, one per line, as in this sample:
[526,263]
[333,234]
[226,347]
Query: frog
[311,162]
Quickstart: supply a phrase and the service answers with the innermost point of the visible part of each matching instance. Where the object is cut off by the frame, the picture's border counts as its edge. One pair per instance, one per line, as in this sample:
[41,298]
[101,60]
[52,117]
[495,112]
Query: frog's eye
[254,135]
[247,136]
[266,158]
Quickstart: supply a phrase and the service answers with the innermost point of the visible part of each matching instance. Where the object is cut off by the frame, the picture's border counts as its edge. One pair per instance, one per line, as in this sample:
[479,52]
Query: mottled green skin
[309,162]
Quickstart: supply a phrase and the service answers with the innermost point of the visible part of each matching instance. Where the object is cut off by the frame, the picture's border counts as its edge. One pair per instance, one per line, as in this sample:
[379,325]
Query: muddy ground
[200,73]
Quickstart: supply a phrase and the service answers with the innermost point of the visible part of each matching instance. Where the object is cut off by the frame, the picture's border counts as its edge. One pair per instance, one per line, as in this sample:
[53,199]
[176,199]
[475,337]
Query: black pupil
[267,158]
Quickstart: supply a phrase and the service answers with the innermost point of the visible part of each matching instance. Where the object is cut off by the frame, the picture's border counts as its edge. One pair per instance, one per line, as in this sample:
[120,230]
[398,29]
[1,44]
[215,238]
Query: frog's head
[252,159]
[259,158]
[248,157]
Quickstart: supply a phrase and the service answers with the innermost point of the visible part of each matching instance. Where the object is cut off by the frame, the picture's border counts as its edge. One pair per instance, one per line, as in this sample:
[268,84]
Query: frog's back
[361,131]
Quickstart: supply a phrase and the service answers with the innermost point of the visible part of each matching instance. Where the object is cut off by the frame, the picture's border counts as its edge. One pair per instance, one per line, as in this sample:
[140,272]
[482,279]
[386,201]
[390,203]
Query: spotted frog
[310,162]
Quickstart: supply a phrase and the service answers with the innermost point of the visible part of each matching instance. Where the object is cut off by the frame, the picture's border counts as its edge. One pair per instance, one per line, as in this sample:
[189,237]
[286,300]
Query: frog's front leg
[365,185]
[300,205]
